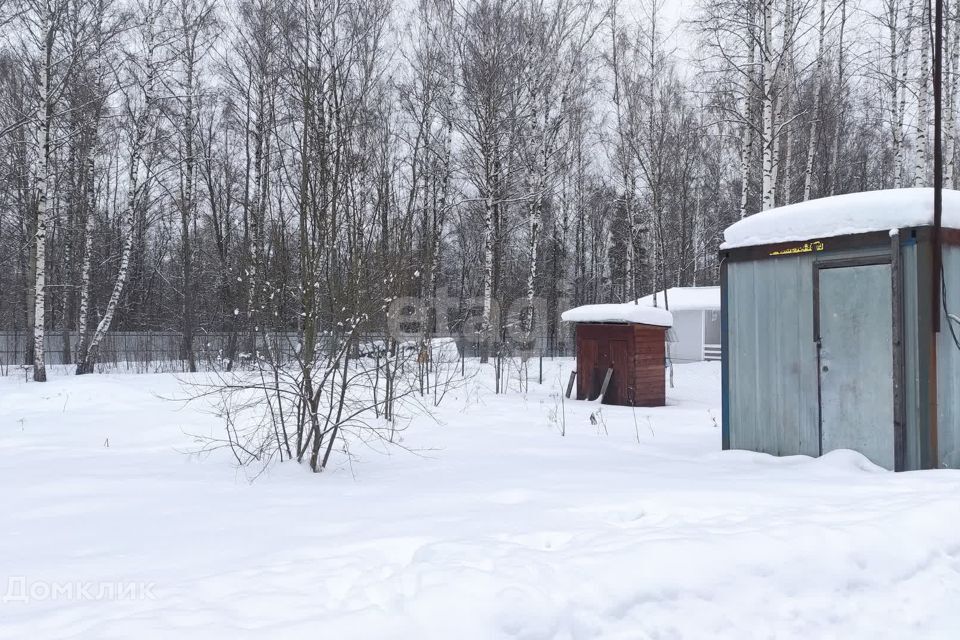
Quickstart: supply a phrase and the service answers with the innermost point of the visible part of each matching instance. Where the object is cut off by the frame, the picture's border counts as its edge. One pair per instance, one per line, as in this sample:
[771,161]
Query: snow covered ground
[493,525]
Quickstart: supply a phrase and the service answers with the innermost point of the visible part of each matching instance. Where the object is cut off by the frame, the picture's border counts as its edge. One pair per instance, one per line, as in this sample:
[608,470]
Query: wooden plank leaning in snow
[843,215]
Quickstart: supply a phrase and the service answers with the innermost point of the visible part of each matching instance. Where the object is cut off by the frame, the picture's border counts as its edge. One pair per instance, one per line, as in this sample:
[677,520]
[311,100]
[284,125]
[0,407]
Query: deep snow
[496,526]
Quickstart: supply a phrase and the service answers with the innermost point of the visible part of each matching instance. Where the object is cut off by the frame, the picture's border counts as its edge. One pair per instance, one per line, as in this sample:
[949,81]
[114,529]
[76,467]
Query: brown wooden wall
[635,351]
[651,354]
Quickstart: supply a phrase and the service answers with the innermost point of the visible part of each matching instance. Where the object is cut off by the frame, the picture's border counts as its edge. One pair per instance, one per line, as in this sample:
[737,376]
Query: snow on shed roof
[625,312]
[843,215]
[686,298]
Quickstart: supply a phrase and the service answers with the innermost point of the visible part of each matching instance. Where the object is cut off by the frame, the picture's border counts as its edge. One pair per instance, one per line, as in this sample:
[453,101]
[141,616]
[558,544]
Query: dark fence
[144,351]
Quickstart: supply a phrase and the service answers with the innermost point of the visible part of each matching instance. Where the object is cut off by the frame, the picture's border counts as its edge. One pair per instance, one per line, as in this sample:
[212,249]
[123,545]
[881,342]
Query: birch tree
[746,109]
[44,22]
[952,54]
[923,80]
[50,21]
[94,88]
[841,92]
[491,55]
[142,118]
[816,112]
[900,29]
[556,39]
[769,73]
[624,158]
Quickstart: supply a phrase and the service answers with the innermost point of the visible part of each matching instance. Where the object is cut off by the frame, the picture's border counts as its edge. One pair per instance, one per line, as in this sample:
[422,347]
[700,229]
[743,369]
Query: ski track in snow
[496,526]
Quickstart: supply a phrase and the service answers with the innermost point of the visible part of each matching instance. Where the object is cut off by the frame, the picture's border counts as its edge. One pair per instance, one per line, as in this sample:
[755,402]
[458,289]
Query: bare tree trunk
[920,169]
[193,21]
[746,135]
[950,136]
[488,273]
[786,109]
[186,218]
[74,187]
[903,62]
[816,112]
[84,313]
[258,204]
[626,165]
[44,130]
[144,122]
[30,276]
[841,101]
[440,209]
[538,185]
[770,160]
[746,159]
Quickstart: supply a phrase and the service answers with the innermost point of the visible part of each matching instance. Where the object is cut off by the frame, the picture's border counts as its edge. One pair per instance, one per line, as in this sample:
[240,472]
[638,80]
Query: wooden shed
[626,342]
[841,329]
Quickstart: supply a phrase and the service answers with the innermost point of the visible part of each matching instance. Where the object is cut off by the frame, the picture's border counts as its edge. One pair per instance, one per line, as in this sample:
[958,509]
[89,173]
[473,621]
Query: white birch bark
[257,209]
[950,135]
[536,186]
[901,71]
[786,103]
[142,127]
[923,152]
[817,105]
[89,225]
[841,100]
[746,159]
[44,130]
[488,239]
[769,125]
[746,135]
[89,203]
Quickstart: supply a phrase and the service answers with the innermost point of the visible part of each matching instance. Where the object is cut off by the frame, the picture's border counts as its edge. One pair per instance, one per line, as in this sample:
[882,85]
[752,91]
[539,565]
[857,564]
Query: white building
[696,321]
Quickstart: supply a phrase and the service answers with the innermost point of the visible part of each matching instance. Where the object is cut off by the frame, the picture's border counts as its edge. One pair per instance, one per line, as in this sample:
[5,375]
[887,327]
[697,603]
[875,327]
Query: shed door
[622,362]
[856,361]
[587,362]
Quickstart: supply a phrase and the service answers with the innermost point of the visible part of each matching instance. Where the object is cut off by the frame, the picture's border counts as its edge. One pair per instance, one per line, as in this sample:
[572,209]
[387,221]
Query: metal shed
[621,347]
[833,335]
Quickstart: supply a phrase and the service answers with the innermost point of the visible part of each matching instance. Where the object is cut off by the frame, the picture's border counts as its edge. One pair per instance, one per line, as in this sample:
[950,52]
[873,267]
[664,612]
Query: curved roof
[842,215]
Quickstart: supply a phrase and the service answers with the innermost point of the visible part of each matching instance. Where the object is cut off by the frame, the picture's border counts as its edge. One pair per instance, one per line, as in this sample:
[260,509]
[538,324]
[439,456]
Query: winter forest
[479,319]
[243,167]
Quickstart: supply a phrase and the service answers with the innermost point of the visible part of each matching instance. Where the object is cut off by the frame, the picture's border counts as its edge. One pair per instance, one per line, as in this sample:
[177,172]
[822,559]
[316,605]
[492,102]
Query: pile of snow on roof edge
[686,299]
[625,312]
[843,215]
